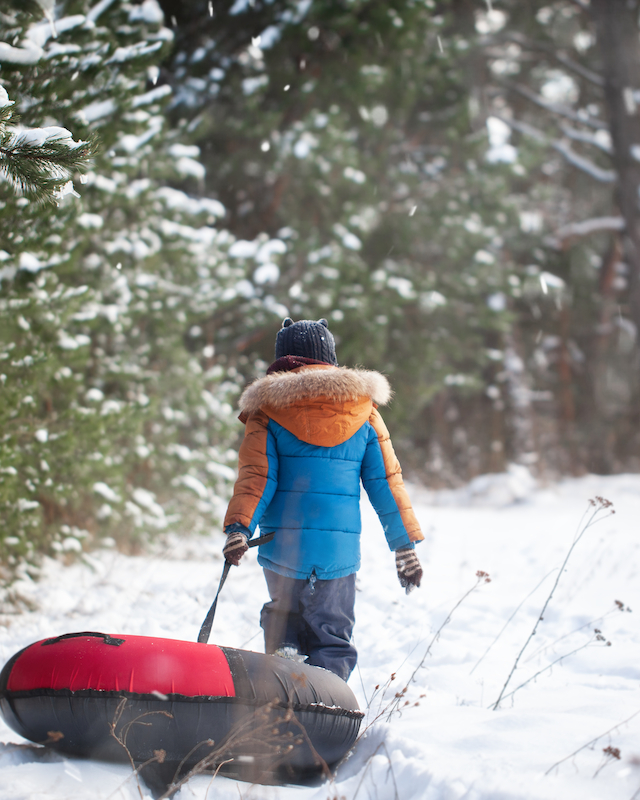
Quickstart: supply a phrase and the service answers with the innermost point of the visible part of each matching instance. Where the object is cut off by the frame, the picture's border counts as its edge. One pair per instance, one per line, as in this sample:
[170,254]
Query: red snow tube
[184,704]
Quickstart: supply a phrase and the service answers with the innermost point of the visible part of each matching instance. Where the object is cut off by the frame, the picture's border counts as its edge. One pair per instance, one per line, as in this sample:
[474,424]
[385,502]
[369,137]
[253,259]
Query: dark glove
[235,547]
[409,569]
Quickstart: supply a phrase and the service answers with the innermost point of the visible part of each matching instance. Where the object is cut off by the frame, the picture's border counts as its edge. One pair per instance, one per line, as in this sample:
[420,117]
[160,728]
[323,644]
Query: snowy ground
[546,741]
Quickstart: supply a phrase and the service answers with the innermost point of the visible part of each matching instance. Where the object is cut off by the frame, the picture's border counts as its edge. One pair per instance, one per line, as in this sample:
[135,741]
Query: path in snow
[450,745]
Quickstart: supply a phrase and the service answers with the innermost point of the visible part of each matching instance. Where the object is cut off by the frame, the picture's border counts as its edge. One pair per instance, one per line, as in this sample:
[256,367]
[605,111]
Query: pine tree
[345,132]
[560,76]
[115,419]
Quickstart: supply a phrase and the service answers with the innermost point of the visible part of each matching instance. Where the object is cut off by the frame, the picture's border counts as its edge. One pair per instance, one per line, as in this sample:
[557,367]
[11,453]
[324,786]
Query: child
[312,433]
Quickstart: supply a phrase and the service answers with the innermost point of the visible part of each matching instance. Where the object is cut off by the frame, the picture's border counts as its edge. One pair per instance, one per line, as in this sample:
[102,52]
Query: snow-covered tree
[346,133]
[115,419]
[561,90]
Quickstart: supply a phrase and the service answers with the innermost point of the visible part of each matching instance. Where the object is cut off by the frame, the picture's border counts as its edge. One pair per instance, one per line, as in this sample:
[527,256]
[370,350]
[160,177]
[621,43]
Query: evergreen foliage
[115,422]
[346,132]
[441,179]
[39,162]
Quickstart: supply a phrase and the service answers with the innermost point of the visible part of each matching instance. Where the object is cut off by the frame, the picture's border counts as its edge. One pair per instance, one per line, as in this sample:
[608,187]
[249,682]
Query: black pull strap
[104,636]
[205,630]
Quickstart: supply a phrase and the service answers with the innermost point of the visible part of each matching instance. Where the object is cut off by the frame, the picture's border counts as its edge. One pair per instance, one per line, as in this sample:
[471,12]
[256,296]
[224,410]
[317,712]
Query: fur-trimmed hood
[320,404]
[338,384]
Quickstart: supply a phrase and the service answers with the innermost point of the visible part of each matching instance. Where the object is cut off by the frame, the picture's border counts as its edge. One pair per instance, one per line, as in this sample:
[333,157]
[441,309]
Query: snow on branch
[582,163]
[559,56]
[567,235]
[524,127]
[40,162]
[556,108]
[600,139]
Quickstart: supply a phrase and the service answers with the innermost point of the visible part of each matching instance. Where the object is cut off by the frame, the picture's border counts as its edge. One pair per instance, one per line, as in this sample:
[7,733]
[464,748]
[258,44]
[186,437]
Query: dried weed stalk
[399,701]
[607,750]
[255,732]
[598,509]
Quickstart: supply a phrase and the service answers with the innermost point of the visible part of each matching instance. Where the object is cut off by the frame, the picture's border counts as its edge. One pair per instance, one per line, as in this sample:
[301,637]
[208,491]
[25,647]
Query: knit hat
[308,339]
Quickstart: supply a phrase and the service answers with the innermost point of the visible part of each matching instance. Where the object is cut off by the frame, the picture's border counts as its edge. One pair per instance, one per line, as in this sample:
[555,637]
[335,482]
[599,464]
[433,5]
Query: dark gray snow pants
[315,617]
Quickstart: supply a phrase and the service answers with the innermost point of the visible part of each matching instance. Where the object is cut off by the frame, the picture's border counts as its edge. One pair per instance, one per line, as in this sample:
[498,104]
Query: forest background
[453,184]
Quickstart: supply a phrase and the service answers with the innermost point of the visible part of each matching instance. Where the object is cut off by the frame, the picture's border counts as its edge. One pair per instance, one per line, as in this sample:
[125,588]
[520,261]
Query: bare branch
[582,163]
[566,236]
[556,108]
[588,138]
[524,127]
[582,5]
[559,56]
[601,175]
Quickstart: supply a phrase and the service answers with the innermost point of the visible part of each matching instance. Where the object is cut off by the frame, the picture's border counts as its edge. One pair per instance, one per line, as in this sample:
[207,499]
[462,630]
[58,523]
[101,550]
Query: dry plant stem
[582,528]
[251,728]
[366,769]
[596,621]
[175,786]
[610,754]
[592,742]
[369,762]
[482,577]
[506,624]
[121,738]
[552,664]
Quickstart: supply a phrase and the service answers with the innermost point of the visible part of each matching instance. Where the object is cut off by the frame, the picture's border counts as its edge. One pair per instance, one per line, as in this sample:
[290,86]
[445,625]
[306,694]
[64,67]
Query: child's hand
[409,569]
[235,547]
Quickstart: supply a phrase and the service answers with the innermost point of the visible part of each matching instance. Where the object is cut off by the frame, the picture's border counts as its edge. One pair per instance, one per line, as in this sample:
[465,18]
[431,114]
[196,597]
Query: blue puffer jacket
[312,435]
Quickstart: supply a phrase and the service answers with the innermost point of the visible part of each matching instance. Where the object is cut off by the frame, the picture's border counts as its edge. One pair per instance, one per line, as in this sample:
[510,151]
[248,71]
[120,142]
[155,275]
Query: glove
[235,547]
[409,569]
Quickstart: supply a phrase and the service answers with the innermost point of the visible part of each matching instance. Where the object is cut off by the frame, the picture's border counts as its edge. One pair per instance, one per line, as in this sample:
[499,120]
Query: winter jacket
[312,434]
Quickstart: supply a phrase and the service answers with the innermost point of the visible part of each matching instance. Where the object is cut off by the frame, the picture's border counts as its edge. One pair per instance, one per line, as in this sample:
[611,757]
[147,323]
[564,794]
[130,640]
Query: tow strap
[205,630]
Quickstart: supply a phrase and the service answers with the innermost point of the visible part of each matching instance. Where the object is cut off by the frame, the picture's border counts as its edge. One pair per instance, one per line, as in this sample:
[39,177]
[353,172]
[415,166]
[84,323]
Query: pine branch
[39,162]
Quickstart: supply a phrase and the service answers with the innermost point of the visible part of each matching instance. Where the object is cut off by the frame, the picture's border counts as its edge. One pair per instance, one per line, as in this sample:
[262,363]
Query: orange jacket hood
[320,405]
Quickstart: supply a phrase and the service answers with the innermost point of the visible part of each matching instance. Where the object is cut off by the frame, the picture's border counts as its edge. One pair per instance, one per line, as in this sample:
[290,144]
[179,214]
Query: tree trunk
[616,25]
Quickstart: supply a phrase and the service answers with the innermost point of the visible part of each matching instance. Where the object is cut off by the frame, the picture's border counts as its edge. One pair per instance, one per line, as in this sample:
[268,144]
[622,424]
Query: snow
[149,11]
[499,148]
[4,98]
[152,96]
[36,137]
[30,54]
[189,167]
[545,742]
[99,9]
[133,51]
[96,110]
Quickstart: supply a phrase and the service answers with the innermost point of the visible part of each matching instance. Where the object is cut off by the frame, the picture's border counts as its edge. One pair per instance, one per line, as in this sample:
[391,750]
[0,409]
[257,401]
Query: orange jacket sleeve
[382,478]
[257,474]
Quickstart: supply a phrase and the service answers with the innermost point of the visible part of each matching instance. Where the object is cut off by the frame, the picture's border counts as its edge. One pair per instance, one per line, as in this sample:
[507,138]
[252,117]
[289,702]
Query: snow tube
[186,705]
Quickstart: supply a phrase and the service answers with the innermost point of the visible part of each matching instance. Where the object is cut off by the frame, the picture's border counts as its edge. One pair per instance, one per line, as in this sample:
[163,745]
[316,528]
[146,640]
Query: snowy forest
[452,184]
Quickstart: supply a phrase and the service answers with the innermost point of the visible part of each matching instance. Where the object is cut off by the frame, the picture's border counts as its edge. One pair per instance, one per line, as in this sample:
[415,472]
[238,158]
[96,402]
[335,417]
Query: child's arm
[382,479]
[257,479]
